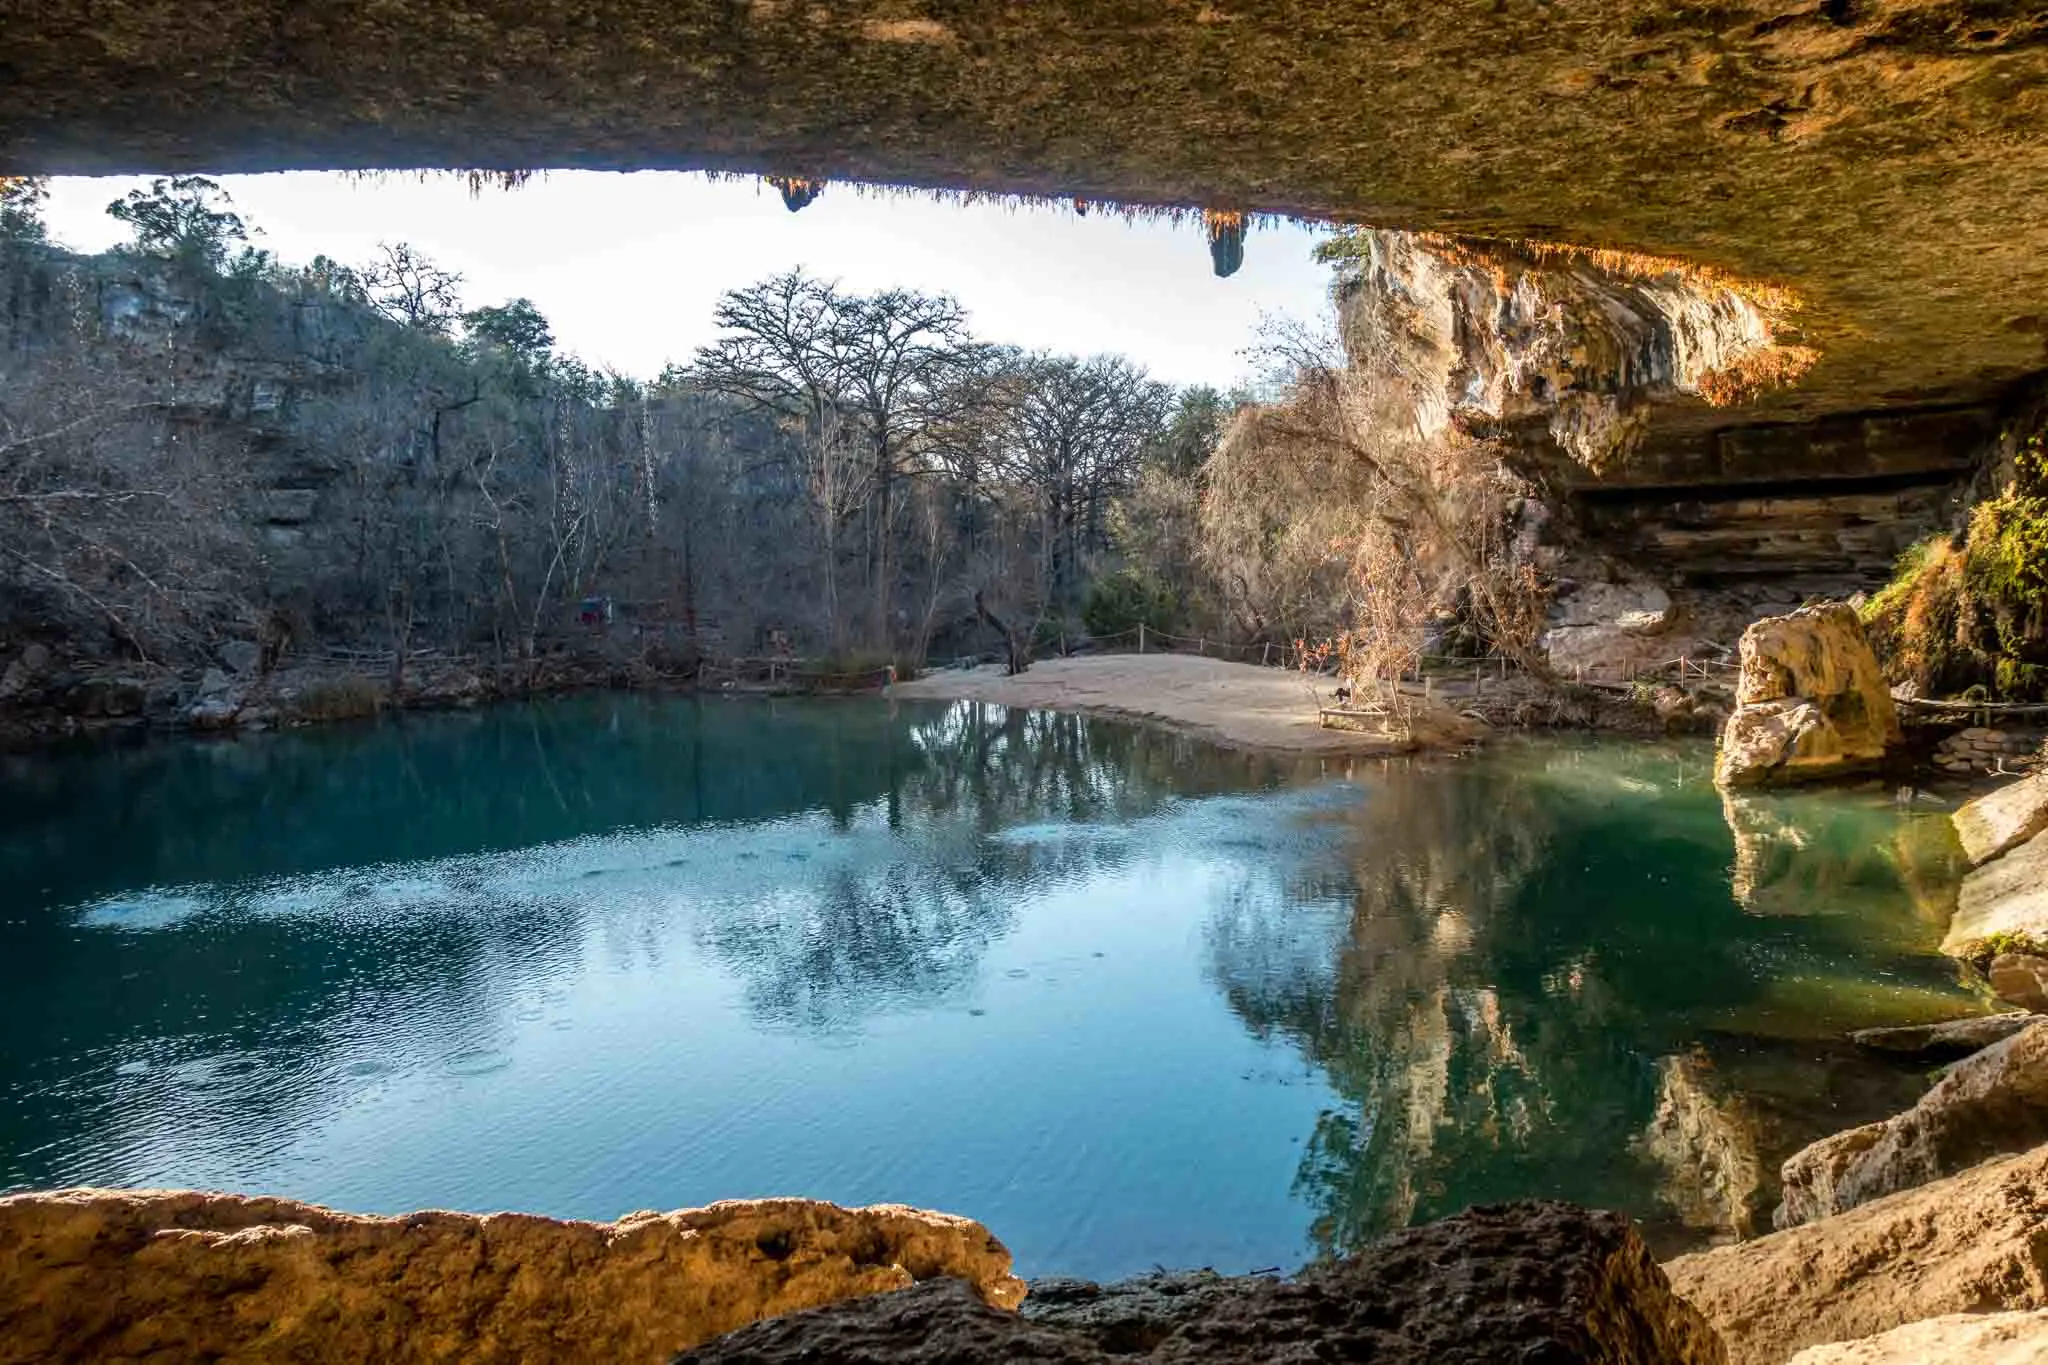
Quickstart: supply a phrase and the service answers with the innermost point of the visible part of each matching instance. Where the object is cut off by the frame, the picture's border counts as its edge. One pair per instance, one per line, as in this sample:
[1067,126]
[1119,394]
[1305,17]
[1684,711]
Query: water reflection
[1549,968]
[1128,998]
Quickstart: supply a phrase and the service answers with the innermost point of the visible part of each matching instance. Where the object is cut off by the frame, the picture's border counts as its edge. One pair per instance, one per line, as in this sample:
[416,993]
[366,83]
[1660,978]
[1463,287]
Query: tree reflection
[1497,981]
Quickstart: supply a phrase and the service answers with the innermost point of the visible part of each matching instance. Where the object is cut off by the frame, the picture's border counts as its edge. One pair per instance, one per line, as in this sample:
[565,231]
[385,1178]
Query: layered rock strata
[1533,1283]
[1811,702]
[1971,1243]
[155,1275]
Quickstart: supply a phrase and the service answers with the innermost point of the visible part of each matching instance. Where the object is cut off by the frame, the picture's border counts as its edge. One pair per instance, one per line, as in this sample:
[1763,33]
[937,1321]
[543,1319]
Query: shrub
[1975,614]
[1120,601]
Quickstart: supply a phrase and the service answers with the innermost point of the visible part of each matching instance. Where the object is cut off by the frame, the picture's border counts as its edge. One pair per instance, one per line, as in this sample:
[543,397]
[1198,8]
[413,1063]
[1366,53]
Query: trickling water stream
[1125,998]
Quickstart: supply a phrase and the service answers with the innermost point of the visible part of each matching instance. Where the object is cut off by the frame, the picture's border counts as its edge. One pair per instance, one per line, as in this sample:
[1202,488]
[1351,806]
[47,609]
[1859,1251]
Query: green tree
[1191,432]
[186,217]
[517,329]
[21,208]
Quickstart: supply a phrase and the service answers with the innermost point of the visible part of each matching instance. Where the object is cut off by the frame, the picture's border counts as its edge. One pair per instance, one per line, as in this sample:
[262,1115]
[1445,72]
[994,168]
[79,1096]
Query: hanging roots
[1226,240]
[796,193]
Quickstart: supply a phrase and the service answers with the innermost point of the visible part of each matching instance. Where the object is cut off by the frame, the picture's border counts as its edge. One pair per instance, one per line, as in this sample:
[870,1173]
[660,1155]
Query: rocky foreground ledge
[169,1276]
[160,1276]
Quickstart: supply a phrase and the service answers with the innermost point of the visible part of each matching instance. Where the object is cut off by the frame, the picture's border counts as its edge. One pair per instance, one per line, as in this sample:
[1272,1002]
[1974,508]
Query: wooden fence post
[1141,637]
[1265,653]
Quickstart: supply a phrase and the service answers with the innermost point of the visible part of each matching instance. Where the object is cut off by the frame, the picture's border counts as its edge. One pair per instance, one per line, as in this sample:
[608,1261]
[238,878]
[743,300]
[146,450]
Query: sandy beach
[1239,705]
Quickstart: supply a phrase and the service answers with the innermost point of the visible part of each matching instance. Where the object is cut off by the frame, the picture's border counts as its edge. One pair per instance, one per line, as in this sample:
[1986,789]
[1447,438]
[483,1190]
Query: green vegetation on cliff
[1971,612]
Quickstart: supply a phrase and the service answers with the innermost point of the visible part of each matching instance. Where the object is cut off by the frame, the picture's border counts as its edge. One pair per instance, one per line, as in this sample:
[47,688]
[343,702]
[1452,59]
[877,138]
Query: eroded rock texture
[1970,1243]
[1811,702]
[1994,1101]
[1520,1282]
[115,1276]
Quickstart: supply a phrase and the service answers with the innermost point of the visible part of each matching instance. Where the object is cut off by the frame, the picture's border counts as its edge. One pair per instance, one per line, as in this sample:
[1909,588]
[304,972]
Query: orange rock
[162,1275]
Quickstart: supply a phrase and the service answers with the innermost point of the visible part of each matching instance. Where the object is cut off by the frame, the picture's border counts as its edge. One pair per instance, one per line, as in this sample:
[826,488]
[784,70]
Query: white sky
[627,267]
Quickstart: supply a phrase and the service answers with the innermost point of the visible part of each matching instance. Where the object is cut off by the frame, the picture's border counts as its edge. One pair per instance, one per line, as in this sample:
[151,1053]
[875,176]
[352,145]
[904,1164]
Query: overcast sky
[627,267]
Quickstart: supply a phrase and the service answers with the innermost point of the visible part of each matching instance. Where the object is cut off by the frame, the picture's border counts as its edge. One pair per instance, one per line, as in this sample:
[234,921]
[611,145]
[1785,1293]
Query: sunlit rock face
[1581,344]
[1811,702]
[1987,1104]
[115,1276]
[1971,1243]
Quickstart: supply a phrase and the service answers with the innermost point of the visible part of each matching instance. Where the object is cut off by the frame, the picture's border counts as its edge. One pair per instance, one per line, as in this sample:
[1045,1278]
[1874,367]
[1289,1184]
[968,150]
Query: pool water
[1128,999]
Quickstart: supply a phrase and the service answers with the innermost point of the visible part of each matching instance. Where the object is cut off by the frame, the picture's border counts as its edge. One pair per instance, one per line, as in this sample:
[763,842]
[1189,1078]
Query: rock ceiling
[1887,160]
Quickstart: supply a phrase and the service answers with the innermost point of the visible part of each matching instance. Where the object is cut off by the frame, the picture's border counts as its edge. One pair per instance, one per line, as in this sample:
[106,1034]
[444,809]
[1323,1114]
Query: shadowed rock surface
[1971,1243]
[114,1276]
[1942,1042]
[1546,1284]
[1883,158]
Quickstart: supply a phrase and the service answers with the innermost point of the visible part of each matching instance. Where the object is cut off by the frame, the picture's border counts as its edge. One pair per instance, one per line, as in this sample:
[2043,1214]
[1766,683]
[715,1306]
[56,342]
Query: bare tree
[1078,431]
[406,287]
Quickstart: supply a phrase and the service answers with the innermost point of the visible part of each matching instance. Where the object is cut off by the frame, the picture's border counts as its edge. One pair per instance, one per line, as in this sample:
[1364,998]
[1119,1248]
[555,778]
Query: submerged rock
[1995,824]
[1811,702]
[1970,1243]
[1993,1102]
[1534,1283]
[115,1276]
[1954,1338]
[1943,1042]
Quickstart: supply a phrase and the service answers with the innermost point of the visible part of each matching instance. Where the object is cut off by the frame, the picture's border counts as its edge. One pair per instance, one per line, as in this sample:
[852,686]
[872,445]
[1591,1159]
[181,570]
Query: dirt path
[1239,705]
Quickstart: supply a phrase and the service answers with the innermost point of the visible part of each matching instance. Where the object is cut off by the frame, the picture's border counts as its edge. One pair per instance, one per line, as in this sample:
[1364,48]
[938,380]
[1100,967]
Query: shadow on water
[609,953]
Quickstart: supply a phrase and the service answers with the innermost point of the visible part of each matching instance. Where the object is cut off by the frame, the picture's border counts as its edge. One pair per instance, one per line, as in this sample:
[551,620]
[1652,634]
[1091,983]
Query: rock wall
[153,1275]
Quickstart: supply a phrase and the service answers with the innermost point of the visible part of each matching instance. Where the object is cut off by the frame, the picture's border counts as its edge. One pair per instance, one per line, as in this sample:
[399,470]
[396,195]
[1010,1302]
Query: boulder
[1994,824]
[1943,1042]
[242,657]
[2020,979]
[119,1276]
[1953,1338]
[1811,702]
[1613,628]
[1993,1102]
[1529,1282]
[2003,905]
[25,672]
[1970,1243]
[217,702]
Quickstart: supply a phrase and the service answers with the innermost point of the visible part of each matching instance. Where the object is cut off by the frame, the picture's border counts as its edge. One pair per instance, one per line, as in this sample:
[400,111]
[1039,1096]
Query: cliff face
[1633,384]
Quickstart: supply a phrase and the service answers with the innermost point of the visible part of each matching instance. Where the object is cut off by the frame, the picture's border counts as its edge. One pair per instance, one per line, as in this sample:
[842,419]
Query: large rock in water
[1994,824]
[1811,702]
[1992,1102]
[1540,1284]
[2003,905]
[1970,1243]
[114,1276]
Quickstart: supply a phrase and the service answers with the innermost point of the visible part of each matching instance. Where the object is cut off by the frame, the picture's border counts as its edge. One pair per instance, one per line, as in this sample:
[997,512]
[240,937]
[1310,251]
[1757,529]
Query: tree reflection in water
[1511,961]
